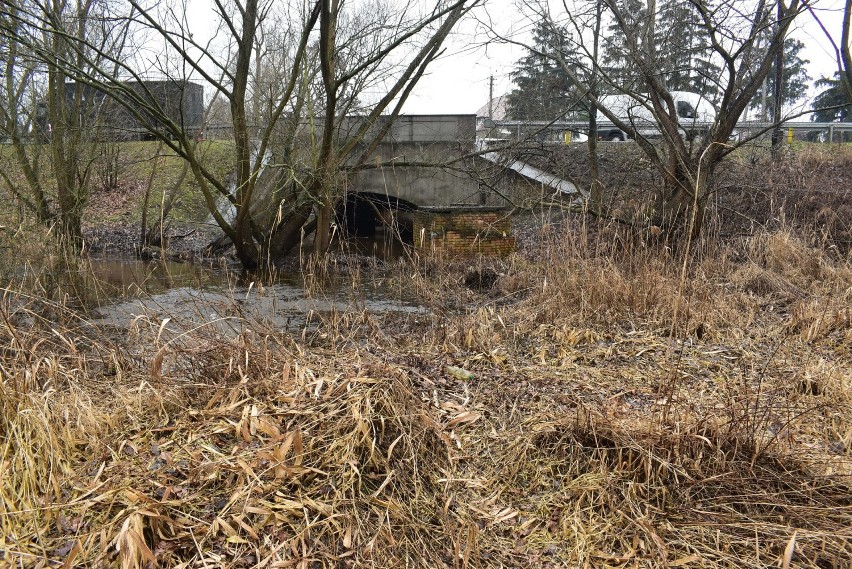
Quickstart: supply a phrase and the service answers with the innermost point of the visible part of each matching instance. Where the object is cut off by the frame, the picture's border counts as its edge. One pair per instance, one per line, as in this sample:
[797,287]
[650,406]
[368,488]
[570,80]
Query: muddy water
[130,275]
[380,247]
[191,296]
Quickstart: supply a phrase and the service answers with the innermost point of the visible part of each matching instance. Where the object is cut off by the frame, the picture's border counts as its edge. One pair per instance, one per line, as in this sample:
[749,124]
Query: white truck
[694,115]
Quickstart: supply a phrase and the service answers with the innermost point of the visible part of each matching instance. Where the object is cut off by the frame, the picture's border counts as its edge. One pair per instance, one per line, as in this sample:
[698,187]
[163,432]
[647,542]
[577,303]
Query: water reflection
[191,295]
[131,275]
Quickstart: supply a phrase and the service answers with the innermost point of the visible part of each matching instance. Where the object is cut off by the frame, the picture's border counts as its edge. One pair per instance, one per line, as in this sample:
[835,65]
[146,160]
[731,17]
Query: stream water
[192,295]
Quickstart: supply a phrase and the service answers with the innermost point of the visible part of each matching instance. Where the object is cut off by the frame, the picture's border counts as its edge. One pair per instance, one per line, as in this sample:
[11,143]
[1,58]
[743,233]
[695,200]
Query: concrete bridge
[421,161]
[437,161]
[430,181]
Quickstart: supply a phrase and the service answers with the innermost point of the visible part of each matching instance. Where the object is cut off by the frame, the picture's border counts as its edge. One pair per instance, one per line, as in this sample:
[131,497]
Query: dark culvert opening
[373,216]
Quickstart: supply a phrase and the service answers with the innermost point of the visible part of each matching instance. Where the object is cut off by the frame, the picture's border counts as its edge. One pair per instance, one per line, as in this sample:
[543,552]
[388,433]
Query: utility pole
[779,85]
[491,98]
[764,97]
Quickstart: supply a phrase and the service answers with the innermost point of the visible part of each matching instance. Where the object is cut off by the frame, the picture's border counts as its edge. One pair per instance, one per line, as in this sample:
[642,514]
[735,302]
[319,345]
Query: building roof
[498,108]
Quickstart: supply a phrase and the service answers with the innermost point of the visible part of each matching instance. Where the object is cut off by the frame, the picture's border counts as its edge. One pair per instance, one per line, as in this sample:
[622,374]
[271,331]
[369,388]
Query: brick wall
[463,231]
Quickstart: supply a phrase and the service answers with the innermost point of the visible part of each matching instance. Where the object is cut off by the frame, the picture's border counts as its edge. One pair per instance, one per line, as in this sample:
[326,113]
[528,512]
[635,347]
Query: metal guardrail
[827,128]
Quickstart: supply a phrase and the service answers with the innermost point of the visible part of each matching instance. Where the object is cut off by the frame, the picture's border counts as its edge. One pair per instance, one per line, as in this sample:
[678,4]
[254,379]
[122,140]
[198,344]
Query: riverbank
[593,399]
[595,405]
[808,191]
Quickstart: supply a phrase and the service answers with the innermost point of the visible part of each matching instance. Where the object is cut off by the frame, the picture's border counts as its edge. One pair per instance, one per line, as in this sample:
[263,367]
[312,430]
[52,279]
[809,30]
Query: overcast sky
[458,82]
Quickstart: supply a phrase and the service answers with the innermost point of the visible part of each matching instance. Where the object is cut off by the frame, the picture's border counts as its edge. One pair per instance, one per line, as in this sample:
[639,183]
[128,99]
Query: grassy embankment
[119,175]
[623,412]
[142,163]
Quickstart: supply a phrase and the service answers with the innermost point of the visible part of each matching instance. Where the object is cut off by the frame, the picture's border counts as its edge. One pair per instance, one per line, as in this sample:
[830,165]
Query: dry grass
[597,430]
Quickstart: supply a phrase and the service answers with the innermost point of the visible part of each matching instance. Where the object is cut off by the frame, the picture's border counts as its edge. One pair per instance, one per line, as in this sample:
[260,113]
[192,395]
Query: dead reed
[590,435]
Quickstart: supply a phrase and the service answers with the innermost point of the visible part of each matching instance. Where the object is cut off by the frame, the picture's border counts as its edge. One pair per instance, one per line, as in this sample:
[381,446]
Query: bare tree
[392,47]
[19,107]
[596,189]
[52,111]
[842,52]
[685,159]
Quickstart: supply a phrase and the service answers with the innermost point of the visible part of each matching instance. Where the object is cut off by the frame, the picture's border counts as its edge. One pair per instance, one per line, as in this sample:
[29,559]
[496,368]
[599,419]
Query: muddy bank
[190,242]
[186,241]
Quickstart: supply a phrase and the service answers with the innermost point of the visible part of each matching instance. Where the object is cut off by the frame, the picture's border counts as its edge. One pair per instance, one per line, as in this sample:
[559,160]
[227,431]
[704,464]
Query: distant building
[498,107]
[181,101]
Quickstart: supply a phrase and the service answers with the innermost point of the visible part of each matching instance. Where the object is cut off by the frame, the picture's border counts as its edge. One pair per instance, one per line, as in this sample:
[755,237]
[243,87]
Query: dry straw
[587,436]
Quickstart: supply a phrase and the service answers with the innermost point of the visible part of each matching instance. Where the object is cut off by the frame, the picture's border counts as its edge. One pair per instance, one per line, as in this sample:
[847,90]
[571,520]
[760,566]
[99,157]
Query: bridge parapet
[419,160]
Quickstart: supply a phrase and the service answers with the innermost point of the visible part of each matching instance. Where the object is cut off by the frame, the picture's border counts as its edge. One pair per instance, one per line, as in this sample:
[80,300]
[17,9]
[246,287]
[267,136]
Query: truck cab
[694,115]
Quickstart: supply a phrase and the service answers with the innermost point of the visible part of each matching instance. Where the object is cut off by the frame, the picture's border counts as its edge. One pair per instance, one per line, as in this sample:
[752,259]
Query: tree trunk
[596,190]
[322,235]
[244,244]
[64,159]
[326,185]
[288,234]
[245,247]
[681,206]
[42,209]
[777,133]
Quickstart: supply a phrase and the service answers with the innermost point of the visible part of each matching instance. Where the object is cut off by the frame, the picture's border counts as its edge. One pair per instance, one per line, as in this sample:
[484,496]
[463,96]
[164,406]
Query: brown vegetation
[590,401]
[606,423]
[809,189]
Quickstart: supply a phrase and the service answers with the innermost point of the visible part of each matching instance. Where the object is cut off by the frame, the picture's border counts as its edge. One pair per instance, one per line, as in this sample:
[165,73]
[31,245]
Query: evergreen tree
[683,50]
[674,38]
[542,86]
[617,63]
[796,79]
[705,73]
[834,95]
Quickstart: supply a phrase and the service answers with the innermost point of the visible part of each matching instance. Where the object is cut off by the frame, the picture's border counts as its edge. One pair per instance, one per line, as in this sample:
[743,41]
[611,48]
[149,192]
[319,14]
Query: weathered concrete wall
[419,161]
[419,128]
[181,101]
